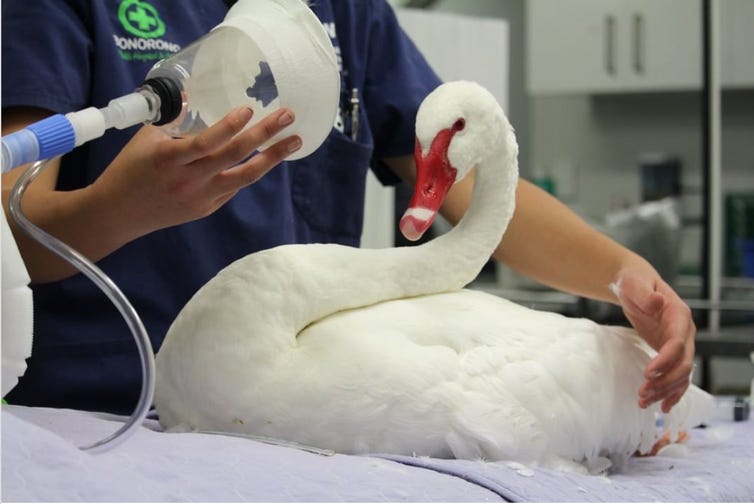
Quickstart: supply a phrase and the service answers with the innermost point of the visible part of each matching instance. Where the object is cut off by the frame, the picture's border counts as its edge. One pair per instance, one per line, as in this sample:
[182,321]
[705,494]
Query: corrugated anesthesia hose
[96,275]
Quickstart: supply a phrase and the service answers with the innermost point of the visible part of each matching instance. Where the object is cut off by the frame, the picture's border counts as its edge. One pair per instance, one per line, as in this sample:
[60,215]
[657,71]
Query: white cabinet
[613,45]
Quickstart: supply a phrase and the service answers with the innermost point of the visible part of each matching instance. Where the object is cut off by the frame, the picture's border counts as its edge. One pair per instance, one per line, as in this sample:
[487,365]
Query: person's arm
[155,182]
[547,241]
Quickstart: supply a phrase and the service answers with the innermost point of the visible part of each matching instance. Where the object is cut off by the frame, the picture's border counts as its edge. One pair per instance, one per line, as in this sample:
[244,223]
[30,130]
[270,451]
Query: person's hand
[157,181]
[661,317]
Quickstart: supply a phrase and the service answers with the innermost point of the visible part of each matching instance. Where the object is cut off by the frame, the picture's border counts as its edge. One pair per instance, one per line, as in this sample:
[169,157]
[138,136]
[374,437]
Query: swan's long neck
[353,278]
[453,260]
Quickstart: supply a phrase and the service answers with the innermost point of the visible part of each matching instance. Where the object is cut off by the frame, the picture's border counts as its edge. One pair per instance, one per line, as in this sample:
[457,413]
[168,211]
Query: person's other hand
[157,181]
[664,320]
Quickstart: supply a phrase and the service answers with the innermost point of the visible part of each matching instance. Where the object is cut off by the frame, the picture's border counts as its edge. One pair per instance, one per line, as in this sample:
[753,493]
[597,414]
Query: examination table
[40,462]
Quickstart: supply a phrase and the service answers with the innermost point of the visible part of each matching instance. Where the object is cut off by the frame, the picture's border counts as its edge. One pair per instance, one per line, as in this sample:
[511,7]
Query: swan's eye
[459,125]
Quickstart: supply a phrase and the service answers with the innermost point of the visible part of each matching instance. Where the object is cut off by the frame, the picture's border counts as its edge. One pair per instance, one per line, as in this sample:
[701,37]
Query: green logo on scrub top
[141,19]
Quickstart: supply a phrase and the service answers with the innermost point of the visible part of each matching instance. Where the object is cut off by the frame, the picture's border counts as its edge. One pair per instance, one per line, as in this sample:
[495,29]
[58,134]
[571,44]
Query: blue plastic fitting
[55,135]
[48,138]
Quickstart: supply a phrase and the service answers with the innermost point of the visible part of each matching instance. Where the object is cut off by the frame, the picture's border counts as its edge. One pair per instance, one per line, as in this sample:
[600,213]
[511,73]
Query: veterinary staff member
[162,216]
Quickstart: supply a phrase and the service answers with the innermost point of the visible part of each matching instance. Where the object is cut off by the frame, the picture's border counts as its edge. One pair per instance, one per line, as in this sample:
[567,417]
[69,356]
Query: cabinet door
[571,45]
[664,45]
[737,43]
[598,46]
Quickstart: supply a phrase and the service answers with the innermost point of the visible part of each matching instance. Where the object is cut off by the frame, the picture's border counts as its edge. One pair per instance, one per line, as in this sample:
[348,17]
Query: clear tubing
[115,295]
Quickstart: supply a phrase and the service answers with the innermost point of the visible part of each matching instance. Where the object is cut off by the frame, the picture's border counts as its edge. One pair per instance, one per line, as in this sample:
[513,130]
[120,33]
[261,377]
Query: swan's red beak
[434,177]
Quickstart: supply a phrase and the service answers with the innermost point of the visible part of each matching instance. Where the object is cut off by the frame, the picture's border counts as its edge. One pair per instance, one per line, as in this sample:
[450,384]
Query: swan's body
[383,351]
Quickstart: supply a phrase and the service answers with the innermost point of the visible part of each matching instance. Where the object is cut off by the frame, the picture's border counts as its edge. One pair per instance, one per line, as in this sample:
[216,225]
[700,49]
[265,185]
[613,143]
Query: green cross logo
[141,19]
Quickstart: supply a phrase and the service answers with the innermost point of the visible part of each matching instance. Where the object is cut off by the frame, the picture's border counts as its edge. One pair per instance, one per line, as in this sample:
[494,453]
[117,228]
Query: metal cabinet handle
[639,43]
[610,44]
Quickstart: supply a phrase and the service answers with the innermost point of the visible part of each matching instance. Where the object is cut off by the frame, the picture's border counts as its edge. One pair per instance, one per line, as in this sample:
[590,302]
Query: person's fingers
[671,386]
[187,150]
[230,181]
[266,129]
[673,399]
[659,392]
[243,145]
[677,342]
[252,170]
[672,350]
[653,393]
[681,370]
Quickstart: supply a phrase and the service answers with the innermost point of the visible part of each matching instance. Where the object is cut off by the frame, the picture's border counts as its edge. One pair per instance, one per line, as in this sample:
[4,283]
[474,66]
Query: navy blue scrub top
[66,56]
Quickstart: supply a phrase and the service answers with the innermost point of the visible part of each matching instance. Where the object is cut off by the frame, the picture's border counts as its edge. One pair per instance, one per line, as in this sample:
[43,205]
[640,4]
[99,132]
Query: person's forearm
[550,243]
[80,218]
[546,240]
[75,217]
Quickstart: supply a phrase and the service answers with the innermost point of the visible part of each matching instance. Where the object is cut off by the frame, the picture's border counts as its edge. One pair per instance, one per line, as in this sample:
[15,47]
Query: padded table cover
[40,462]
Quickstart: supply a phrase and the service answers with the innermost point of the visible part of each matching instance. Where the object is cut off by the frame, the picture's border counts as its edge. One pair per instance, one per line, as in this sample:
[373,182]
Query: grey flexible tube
[115,295]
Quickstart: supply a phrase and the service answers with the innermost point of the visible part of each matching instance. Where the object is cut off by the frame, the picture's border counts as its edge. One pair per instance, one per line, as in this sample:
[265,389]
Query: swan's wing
[518,382]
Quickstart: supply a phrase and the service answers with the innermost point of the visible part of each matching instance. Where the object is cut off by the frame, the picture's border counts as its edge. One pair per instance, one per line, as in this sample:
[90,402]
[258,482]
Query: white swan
[383,351]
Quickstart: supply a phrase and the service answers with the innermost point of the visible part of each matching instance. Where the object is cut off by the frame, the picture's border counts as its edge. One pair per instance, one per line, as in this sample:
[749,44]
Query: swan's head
[457,126]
